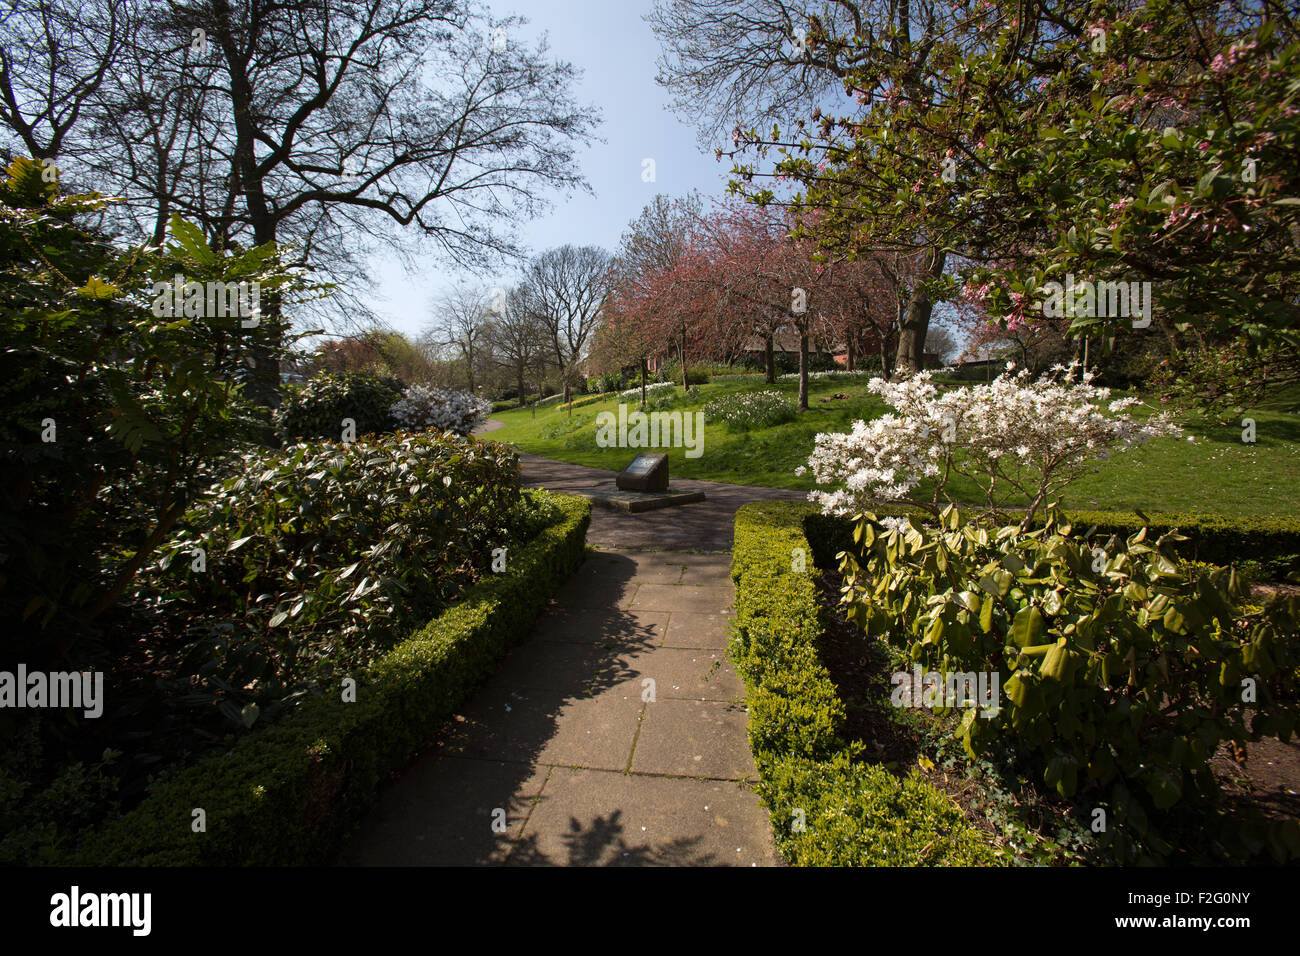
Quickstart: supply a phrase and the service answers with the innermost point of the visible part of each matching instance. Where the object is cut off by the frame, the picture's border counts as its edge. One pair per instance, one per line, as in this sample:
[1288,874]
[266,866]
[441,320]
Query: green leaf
[1165,788]
[1028,626]
[1054,662]
[189,240]
[97,288]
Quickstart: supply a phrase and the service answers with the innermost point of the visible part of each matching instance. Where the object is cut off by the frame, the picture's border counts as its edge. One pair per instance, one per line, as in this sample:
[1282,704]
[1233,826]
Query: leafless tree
[461,317]
[564,289]
[655,239]
[338,127]
[54,57]
[516,338]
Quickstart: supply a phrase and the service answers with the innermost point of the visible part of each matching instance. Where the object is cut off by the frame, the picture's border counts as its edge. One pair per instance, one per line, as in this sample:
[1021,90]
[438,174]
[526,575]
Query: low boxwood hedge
[829,806]
[1263,548]
[288,795]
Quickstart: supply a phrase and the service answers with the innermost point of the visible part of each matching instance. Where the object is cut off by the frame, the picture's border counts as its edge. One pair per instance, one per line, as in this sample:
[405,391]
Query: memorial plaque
[645,473]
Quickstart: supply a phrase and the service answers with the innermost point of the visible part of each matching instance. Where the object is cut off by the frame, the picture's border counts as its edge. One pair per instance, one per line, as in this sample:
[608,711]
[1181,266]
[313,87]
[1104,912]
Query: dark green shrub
[315,556]
[318,409]
[609,382]
[1262,548]
[672,372]
[786,363]
[114,417]
[39,821]
[820,362]
[1121,669]
[290,794]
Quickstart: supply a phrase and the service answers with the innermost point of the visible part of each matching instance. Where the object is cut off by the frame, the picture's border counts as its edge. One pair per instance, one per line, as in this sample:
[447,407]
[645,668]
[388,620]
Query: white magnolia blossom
[427,406]
[1011,436]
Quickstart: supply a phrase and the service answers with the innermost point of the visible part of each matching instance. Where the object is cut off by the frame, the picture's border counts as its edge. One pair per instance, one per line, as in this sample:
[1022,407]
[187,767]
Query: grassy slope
[1216,473]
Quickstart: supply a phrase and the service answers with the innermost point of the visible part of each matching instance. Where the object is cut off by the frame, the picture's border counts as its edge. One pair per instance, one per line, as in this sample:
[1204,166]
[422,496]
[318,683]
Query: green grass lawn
[1216,473]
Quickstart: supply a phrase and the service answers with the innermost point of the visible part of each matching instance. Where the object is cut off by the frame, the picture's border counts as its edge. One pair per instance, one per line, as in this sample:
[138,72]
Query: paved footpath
[616,734]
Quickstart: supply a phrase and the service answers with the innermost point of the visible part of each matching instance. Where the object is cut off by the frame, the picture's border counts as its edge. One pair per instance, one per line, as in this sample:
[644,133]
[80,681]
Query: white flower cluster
[1011,436]
[650,389]
[750,409]
[833,373]
[427,406]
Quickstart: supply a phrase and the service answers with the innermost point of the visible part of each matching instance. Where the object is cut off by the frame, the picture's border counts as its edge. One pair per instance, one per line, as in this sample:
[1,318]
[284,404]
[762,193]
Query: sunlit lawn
[1215,473]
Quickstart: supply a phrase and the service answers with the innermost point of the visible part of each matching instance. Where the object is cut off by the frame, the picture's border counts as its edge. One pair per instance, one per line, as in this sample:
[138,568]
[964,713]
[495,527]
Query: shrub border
[289,795]
[852,812]
[1268,548]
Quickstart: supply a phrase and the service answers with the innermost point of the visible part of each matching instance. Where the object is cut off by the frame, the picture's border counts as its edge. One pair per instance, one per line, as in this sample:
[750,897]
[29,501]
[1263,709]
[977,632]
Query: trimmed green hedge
[1264,548]
[853,813]
[288,795]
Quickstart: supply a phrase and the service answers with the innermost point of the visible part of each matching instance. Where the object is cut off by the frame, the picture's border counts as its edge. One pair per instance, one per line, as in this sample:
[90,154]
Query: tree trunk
[803,370]
[520,381]
[916,321]
[643,378]
[265,385]
[769,359]
[681,354]
[848,359]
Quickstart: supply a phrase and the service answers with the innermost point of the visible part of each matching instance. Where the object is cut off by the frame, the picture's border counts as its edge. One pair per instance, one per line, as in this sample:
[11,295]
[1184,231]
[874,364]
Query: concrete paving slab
[692,629]
[709,576]
[604,626]
[560,739]
[602,581]
[694,738]
[566,666]
[694,673]
[447,811]
[705,526]
[548,727]
[589,818]
[662,597]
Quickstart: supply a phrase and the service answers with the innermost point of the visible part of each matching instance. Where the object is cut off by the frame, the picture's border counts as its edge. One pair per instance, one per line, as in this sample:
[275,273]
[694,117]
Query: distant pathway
[615,735]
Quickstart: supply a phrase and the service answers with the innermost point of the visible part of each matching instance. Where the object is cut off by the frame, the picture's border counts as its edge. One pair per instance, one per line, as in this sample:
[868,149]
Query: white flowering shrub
[423,407]
[1012,437]
[747,410]
[833,373]
[653,388]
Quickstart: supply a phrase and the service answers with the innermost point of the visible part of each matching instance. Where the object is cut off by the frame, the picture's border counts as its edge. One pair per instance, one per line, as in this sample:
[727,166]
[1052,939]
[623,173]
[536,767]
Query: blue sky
[615,49]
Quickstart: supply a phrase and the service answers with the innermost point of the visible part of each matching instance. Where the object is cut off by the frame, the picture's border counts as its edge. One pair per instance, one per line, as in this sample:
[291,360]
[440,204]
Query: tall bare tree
[339,127]
[54,57]
[461,317]
[515,337]
[565,289]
